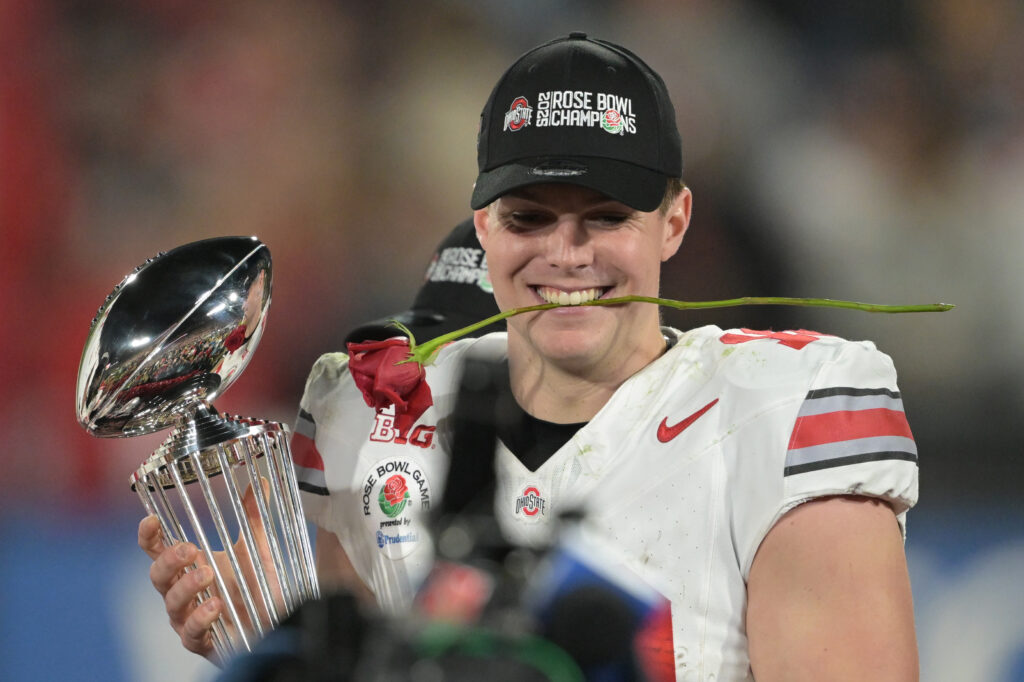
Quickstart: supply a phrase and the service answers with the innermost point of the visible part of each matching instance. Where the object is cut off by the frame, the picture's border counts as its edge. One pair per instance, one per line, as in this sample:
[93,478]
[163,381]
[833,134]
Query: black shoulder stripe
[852,459]
[841,390]
[314,489]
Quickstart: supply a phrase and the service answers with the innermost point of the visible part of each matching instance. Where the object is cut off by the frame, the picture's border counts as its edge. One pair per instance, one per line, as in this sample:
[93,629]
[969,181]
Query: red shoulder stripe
[833,427]
[305,454]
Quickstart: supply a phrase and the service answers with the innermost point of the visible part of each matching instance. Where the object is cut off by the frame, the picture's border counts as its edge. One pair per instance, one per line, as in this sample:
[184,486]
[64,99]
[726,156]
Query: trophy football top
[177,331]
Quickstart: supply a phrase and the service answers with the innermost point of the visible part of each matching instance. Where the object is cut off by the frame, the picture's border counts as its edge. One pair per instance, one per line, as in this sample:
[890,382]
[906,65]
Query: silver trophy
[170,338]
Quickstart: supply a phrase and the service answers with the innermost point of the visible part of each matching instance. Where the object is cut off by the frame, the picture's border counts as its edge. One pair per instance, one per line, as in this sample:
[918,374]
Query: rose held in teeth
[563,244]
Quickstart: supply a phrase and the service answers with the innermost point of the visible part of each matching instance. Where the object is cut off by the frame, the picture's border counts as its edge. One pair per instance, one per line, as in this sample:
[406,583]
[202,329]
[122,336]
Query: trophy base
[233,480]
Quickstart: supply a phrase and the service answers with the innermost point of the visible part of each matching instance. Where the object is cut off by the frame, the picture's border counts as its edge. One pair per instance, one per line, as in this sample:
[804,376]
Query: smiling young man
[755,482]
[752,484]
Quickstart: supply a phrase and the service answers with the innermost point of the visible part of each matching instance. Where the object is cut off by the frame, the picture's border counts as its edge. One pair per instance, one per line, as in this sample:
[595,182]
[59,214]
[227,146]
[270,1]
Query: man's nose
[569,244]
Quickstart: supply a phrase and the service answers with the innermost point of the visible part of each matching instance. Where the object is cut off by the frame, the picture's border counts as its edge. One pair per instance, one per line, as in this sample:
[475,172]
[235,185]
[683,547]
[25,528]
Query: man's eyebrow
[522,193]
[528,193]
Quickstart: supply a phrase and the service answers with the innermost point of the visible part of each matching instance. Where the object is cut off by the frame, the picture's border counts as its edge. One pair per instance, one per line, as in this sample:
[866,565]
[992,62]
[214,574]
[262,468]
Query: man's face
[565,243]
[253,305]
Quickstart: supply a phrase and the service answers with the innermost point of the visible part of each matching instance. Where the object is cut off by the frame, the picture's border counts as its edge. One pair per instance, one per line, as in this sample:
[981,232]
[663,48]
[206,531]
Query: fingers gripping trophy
[169,339]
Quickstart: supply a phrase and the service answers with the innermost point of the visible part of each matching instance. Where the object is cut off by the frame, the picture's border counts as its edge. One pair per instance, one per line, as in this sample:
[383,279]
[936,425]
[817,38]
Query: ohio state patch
[395,497]
[531,505]
[518,115]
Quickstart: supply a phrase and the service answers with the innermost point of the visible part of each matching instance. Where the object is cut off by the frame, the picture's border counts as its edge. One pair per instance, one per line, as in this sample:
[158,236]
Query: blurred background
[868,150]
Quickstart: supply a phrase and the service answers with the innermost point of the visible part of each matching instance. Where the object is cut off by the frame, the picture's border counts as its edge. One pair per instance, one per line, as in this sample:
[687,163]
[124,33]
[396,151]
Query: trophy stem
[204,544]
[272,541]
[290,522]
[250,540]
[228,545]
[307,560]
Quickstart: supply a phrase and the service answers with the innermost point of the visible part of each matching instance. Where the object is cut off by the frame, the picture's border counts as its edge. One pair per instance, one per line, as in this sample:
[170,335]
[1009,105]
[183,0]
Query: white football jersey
[679,477]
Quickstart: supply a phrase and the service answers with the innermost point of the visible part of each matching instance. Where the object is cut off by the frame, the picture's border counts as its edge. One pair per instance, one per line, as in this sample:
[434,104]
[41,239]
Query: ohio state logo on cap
[518,114]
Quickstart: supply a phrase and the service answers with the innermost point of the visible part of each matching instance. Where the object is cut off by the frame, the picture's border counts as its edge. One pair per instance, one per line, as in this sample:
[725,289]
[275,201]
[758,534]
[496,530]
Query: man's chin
[575,347]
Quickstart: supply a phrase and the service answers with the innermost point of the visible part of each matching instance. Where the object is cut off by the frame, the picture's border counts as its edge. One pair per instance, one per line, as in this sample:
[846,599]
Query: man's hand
[192,621]
[180,585]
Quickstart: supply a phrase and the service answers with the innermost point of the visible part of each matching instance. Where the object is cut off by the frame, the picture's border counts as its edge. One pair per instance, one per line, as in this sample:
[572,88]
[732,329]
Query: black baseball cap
[456,292]
[582,111]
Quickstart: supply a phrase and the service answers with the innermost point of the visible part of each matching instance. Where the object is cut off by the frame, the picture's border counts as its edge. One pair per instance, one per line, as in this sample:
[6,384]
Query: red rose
[235,339]
[385,380]
[395,490]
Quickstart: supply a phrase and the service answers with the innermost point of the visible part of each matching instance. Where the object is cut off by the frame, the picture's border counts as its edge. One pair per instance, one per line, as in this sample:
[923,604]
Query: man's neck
[566,395]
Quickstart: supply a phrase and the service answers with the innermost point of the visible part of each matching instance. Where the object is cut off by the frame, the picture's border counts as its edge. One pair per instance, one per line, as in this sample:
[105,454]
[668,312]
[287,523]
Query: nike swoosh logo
[667,433]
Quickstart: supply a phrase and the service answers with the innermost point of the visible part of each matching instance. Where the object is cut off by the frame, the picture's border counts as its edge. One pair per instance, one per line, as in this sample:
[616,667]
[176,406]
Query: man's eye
[526,219]
[610,219]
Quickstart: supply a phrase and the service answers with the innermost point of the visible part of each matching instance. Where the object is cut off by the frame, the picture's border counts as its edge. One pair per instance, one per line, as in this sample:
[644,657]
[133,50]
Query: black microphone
[464,523]
[473,431]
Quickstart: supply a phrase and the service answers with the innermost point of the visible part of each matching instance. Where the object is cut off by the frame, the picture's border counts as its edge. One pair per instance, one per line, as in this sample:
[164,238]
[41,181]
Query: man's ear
[481,221]
[677,220]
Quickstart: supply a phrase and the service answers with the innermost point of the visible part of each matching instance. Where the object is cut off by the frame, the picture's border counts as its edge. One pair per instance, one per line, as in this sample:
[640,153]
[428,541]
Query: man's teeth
[568,297]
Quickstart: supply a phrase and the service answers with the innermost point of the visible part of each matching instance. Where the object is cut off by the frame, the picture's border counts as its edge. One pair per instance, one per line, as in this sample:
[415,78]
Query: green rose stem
[424,352]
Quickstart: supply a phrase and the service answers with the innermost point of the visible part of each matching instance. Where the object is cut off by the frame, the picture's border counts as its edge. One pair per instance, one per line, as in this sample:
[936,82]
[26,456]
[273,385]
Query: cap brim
[635,186]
